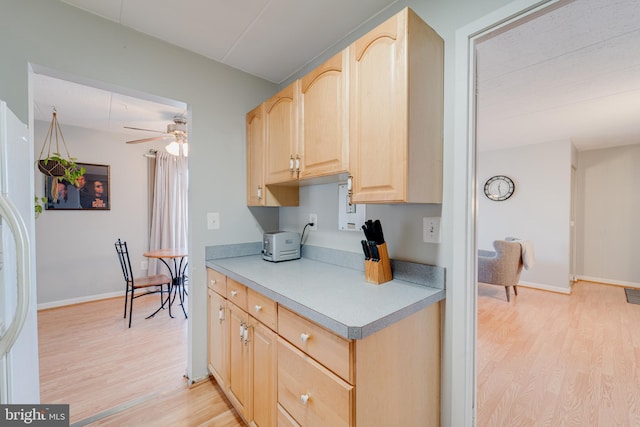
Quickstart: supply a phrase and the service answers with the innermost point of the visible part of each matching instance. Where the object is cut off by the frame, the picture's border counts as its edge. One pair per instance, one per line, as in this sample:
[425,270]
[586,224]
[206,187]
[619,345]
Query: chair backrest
[125,262]
[510,256]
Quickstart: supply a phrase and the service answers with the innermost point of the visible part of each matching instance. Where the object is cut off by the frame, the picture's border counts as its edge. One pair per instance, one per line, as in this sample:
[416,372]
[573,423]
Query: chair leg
[131,307]
[126,299]
[506,289]
[515,290]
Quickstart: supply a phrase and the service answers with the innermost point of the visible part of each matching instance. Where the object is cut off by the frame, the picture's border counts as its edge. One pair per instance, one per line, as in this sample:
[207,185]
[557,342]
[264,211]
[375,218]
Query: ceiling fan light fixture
[174,148]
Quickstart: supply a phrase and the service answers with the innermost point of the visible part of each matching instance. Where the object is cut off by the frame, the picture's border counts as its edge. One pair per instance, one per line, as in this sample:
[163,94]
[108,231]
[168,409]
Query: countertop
[333,296]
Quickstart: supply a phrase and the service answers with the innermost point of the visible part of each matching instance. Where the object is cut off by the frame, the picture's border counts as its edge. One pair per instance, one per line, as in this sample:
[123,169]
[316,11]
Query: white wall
[76,259]
[63,38]
[402,224]
[608,231]
[539,209]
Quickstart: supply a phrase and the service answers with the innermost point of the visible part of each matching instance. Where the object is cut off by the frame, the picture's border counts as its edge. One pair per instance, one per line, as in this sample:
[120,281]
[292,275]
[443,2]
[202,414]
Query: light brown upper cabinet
[323,122]
[257,193]
[255,157]
[396,113]
[375,110]
[281,145]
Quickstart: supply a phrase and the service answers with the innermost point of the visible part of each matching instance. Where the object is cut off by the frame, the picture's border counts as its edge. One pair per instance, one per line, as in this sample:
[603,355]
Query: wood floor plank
[91,360]
[568,360]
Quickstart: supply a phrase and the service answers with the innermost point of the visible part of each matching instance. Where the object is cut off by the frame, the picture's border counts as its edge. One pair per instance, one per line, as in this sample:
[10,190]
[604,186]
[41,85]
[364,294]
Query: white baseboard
[79,300]
[609,281]
[543,287]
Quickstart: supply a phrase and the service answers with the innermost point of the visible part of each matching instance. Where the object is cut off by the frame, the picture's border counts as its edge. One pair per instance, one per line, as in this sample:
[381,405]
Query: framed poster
[91,192]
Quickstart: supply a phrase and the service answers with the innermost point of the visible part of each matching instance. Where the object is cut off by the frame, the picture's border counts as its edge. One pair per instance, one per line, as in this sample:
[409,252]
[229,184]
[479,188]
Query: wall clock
[499,188]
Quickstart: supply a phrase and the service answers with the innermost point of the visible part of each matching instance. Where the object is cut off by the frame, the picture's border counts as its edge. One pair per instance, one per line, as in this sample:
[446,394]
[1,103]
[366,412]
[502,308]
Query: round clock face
[499,188]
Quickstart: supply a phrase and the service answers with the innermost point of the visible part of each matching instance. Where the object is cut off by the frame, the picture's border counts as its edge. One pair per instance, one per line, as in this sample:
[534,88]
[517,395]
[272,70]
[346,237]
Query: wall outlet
[314,219]
[144,265]
[431,229]
[213,220]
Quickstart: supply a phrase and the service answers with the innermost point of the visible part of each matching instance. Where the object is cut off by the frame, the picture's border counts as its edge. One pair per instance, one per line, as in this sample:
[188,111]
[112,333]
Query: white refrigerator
[19,373]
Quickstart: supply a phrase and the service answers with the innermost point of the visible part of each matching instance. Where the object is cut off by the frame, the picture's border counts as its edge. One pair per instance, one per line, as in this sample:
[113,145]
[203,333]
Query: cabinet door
[281,139]
[240,361]
[378,114]
[218,338]
[255,157]
[265,379]
[323,135]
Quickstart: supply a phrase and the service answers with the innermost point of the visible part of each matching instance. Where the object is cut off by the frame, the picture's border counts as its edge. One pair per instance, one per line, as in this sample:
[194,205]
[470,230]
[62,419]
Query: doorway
[462,301]
[499,23]
[75,259]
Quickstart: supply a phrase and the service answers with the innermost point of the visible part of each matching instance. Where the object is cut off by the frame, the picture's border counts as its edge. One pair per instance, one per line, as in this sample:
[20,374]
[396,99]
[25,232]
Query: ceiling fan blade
[146,130]
[155,138]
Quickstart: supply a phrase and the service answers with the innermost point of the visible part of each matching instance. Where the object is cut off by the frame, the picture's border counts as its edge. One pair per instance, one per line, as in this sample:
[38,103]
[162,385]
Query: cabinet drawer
[329,349]
[262,308]
[237,293]
[310,393]
[284,419]
[217,281]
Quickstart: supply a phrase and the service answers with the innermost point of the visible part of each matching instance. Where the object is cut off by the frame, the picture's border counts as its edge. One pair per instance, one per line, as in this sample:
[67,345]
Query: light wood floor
[92,361]
[547,359]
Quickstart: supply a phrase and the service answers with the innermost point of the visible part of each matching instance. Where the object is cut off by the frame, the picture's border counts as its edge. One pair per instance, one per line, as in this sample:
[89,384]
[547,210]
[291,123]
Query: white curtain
[169,208]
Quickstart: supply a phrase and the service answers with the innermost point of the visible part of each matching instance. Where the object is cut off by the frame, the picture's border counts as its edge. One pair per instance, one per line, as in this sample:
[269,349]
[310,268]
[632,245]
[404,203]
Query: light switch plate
[431,229]
[350,217]
[213,220]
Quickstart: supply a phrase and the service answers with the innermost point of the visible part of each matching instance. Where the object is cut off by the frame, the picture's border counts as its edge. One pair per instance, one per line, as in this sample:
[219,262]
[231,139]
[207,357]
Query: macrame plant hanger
[55,165]
[48,166]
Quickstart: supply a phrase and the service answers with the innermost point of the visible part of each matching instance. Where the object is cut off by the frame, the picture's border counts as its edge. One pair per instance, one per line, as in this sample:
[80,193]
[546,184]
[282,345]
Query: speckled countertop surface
[335,297]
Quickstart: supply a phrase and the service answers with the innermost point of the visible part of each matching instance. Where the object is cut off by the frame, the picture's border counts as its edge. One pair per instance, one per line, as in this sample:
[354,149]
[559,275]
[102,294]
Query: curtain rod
[151,154]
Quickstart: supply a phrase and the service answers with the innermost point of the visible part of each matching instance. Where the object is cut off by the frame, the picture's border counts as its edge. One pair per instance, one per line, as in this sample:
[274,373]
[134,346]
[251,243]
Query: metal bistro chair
[152,284]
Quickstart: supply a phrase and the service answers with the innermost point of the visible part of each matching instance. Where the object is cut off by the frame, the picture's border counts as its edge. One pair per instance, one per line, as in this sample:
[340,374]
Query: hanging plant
[59,167]
[54,164]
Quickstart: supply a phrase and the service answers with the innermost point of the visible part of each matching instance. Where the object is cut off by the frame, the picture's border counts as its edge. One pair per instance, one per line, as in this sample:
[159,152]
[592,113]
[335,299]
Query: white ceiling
[570,74]
[271,39]
[92,108]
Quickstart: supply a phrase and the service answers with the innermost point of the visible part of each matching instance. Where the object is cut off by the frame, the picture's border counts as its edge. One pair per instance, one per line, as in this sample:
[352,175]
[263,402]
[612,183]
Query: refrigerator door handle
[10,214]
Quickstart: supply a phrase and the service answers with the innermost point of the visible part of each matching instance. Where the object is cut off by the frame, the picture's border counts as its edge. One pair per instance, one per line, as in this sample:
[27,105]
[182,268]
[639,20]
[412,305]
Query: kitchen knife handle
[365,249]
[377,227]
[373,248]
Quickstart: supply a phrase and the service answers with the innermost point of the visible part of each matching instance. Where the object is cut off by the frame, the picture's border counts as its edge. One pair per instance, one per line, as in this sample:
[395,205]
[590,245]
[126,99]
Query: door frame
[460,340]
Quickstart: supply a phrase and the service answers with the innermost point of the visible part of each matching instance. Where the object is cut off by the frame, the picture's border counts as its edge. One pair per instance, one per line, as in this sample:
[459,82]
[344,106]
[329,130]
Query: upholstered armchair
[502,267]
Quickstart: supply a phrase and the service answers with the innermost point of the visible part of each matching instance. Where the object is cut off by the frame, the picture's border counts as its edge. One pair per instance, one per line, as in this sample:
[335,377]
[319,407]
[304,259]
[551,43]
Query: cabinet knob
[305,337]
[258,308]
[297,163]
[304,398]
[291,163]
[212,281]
[259,192]
[221,314]
[234,293]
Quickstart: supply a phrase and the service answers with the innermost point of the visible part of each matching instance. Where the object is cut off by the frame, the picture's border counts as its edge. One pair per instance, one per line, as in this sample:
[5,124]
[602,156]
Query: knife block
[378,272]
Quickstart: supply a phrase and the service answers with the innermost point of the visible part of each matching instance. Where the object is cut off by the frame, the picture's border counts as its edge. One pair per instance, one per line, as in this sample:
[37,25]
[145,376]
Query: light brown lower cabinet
[240,353]
[265,378]
[243,351]
[300,374]
[218,338]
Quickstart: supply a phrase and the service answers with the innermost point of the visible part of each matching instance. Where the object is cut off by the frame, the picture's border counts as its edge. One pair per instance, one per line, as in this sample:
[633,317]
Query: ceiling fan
[176,131]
